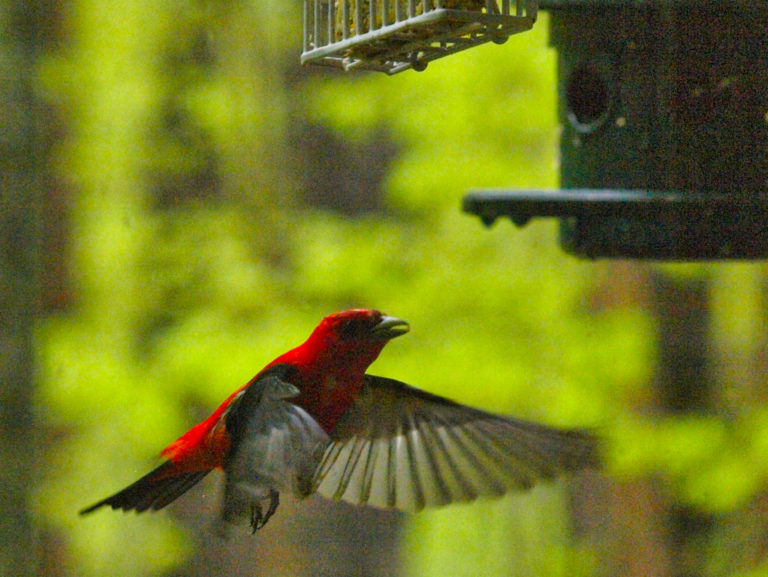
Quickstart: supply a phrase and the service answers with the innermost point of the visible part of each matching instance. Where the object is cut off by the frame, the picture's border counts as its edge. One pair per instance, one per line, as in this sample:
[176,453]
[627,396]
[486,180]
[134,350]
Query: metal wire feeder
[395,35]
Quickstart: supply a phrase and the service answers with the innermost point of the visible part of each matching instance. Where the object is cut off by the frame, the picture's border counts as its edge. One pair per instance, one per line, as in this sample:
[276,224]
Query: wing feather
[153,491]
[402,448]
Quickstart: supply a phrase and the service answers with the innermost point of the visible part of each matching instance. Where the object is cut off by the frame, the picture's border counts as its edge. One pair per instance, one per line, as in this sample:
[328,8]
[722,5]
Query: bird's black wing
[402,448]
[153,491]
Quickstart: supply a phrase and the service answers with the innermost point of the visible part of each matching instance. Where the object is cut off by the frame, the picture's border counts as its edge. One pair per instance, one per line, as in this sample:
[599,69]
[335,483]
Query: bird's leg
[274,501]
[258,518]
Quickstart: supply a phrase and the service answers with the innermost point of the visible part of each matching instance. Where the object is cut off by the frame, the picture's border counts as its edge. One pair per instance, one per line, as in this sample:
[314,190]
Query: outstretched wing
[402,448]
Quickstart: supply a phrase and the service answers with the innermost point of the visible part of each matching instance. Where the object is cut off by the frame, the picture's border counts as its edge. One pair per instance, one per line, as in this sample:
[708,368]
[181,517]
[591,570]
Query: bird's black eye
[350,329]
[355,328]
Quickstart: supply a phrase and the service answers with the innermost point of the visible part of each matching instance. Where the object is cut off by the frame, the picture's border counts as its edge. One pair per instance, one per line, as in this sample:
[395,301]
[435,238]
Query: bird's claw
[258,517]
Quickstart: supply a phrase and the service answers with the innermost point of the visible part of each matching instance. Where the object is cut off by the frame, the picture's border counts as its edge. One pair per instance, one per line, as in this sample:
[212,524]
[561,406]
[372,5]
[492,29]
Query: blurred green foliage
[196,257]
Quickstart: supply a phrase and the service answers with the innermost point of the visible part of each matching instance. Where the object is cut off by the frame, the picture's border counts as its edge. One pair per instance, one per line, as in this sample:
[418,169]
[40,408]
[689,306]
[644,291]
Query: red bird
[313,421]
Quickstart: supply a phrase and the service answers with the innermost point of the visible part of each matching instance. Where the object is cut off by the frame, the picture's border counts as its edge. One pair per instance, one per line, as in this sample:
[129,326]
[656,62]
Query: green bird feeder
[664,149]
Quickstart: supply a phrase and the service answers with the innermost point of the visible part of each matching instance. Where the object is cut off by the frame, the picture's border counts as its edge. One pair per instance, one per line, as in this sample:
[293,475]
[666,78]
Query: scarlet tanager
[313,421]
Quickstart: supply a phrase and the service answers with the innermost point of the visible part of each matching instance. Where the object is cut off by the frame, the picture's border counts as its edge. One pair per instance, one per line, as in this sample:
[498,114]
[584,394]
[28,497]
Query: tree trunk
[21,162]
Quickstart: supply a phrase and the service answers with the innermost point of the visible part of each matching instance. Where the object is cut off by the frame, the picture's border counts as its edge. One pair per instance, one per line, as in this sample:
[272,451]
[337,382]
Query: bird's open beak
[390,327]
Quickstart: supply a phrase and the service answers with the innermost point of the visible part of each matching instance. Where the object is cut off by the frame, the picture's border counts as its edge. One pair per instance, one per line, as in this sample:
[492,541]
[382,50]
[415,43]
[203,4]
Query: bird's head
[355,336]
[362,325]
[345,343]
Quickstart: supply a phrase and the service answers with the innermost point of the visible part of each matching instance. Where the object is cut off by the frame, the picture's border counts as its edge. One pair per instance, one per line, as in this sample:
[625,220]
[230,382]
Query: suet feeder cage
[395,35]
